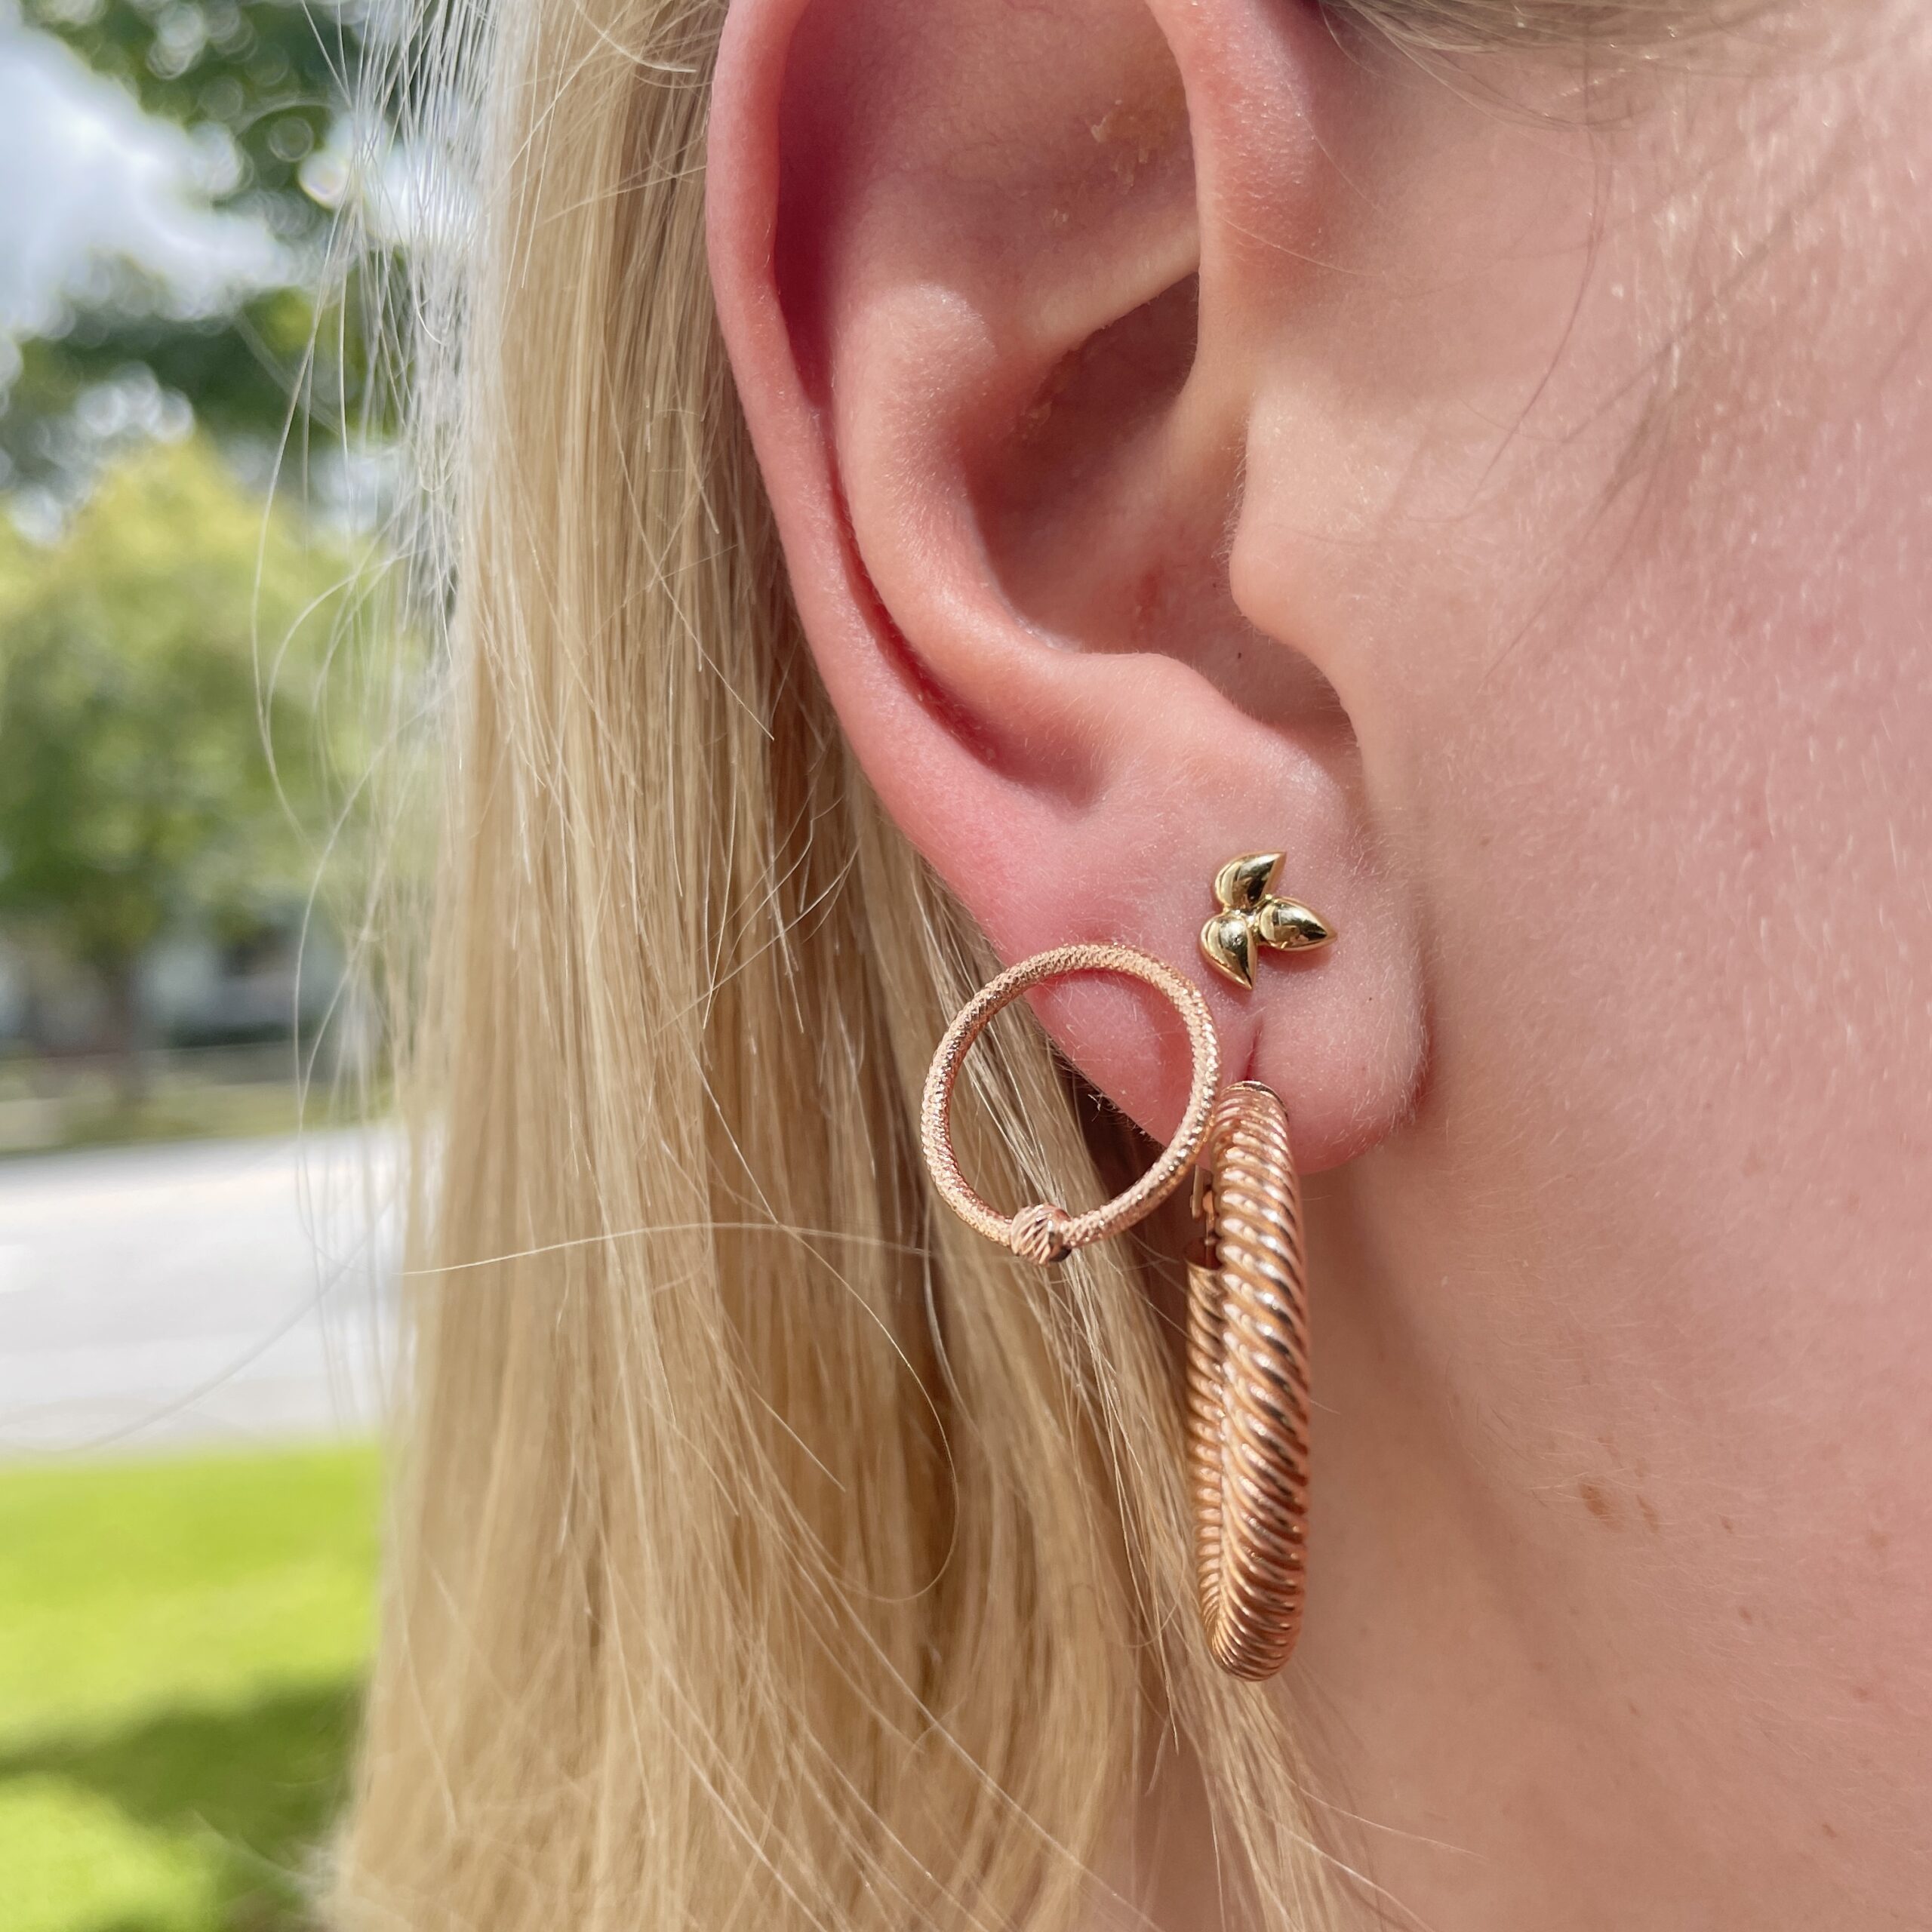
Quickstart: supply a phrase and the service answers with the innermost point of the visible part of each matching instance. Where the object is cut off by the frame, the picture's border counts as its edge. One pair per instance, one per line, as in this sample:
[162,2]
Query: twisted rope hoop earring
[1247,1400]
[1247,1403]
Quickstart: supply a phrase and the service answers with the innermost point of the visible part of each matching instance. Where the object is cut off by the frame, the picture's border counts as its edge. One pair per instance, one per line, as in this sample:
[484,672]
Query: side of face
[1510,498]
[1657,769]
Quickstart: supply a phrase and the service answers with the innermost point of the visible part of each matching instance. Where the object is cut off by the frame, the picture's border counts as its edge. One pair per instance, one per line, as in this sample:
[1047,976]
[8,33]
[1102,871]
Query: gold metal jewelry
[1252,915]
[1247,1404]
[1044,1232]
[1247,1407]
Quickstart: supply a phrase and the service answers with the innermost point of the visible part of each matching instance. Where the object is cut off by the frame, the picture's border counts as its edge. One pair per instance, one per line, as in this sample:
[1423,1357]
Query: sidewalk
[206,1292]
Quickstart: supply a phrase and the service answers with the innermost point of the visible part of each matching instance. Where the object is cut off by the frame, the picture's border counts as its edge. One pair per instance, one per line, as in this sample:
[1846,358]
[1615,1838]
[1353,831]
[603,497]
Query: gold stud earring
[1253,915]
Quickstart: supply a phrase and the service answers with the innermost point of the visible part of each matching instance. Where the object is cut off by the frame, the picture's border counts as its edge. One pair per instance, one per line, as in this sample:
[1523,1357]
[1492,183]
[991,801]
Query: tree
[162,728]
[266,81]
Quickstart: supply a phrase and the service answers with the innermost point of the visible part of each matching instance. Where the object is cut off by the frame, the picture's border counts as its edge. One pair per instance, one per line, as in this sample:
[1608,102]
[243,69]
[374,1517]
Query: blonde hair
[767,1551]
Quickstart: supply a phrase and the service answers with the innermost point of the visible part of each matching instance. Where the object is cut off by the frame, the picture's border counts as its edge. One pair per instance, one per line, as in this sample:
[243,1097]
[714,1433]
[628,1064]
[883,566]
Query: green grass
[181,1644]
[177,1106]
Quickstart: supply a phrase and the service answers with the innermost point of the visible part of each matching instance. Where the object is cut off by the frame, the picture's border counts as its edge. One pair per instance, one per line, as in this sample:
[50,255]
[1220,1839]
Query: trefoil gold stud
[1253,915]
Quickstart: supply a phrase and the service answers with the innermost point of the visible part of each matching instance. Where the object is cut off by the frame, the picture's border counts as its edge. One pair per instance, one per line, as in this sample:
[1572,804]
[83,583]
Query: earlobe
[998,366]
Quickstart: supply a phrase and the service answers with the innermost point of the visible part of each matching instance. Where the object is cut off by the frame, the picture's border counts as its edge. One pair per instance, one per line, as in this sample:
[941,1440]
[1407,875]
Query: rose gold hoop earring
[1247,1403]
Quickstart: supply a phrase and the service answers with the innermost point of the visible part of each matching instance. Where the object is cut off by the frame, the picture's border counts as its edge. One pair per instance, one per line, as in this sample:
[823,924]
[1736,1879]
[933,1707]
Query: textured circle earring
[1247,1403]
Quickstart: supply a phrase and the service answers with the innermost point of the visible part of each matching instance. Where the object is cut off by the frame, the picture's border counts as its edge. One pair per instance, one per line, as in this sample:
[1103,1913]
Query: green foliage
[181,1644]
[266,80]
[240,370]
[275,363]
[162,734]
[272,74]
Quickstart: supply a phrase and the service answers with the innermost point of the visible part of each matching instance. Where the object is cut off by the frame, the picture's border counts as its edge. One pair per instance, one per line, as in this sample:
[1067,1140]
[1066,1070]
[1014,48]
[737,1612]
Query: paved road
[215,1290]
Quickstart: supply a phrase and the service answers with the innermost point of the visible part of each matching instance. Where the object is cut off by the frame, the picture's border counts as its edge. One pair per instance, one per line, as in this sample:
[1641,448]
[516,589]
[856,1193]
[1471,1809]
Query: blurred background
[197,1260]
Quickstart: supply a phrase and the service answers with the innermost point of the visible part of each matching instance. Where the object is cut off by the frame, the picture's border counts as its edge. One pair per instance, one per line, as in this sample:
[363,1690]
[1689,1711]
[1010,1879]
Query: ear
[995,282]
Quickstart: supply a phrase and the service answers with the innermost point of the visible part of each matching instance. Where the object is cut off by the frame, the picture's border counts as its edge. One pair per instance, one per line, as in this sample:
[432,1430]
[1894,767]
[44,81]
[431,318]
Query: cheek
[1644,696]
[1676,844]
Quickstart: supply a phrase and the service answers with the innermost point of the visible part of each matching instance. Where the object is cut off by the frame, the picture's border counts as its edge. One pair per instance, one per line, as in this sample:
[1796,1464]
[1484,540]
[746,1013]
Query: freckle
[1826,1828]
[1744,1613]
[1879,1539]
[1754,1164]
[1729,1528]
[1862,1693]
[1649,1514]
[1597,1503]
[1632,1703]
